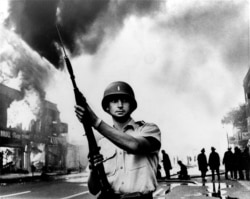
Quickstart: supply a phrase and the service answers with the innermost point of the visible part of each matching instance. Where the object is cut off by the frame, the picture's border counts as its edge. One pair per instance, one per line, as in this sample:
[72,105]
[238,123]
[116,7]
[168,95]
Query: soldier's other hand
[80,112]
[95,160]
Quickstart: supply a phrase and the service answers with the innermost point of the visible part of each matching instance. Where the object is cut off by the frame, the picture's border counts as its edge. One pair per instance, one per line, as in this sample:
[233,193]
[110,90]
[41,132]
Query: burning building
[30,135]
[245,136]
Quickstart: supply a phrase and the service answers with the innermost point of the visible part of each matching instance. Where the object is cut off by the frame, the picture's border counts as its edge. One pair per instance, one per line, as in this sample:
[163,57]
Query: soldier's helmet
[119,88]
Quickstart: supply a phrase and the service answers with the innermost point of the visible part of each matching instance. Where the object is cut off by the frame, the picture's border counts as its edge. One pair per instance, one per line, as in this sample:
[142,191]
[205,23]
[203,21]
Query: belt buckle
[131,195]
[135,195]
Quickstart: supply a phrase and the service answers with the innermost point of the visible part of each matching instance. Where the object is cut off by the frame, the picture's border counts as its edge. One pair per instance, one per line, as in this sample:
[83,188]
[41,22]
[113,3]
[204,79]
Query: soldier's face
[119,107]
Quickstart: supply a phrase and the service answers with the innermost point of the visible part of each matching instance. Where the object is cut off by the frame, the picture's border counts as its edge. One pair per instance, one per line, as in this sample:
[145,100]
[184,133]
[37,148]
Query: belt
[135,195]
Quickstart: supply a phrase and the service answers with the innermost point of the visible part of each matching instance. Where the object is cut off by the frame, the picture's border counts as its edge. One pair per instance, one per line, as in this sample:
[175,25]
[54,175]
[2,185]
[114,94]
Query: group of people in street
[213,163]
[167,166]
[236,164]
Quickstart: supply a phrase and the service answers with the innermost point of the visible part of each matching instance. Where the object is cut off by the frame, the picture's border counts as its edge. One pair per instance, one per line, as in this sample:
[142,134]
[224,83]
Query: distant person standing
[202,164]
[33,169]
[228,162]
[246,162]
[238,164]
[1,162]
[166,164]
[214,163]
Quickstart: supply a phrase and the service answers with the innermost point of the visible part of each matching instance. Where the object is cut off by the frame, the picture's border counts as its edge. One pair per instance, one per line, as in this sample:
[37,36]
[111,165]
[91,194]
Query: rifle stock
[93,147]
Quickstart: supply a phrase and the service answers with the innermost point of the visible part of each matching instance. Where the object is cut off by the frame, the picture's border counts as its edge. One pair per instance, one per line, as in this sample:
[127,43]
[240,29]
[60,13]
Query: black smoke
[34,21]
[221,24]
[84,24]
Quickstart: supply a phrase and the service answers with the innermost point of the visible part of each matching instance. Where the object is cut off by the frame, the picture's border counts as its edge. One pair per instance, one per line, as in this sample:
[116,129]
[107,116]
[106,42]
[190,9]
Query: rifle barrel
[61,41]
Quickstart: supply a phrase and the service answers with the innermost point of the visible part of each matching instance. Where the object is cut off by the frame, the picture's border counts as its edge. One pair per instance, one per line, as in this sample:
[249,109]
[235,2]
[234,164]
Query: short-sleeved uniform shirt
[127,172]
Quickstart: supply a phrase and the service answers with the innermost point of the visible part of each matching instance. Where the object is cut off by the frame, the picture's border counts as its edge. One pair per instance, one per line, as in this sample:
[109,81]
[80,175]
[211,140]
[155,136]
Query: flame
[21,113]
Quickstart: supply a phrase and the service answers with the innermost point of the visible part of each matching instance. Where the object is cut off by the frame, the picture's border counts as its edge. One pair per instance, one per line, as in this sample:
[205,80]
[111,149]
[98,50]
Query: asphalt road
[59,189]
[76,188]
[46,189]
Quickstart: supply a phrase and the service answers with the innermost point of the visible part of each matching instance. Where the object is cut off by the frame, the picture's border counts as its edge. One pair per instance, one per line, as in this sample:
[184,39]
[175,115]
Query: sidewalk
[15,177]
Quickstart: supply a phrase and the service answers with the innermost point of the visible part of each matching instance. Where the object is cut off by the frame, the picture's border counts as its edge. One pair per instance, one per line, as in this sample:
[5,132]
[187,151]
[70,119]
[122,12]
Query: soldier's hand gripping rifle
[106,190]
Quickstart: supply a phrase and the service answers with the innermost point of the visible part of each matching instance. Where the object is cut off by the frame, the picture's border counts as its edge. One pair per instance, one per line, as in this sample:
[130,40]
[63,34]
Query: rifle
[106,191]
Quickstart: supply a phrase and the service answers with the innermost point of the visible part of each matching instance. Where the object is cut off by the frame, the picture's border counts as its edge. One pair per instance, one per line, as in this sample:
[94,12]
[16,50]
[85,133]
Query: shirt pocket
[135,162]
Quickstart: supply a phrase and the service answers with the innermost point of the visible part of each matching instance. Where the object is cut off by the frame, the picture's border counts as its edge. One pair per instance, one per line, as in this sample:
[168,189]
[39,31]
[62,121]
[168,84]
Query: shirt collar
[131,125]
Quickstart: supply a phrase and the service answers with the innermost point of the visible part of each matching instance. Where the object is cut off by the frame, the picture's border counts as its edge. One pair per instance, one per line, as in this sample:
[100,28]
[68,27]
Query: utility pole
[227,136]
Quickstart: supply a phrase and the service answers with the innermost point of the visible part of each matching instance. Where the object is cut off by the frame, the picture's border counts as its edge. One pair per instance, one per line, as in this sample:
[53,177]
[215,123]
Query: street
[42,189]
[60,189]
[56,189]
[75,187]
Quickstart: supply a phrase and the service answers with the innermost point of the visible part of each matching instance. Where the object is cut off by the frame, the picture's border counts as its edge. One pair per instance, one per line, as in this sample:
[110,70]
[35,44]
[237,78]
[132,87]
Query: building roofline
[246,78]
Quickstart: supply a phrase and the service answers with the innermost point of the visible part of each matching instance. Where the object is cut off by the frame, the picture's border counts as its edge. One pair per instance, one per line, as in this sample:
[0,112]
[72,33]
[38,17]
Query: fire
[21,113]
